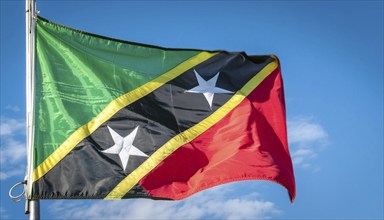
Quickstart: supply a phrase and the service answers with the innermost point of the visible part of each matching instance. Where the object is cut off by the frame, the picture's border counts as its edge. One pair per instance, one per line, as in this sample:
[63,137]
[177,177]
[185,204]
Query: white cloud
[13,108]
[12,149]
[11,172]
[302,130]
[3,213]
[215,203]
[306,139]
[10,126]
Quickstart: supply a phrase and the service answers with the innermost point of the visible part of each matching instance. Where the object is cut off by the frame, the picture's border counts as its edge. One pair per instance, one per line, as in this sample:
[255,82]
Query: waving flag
[116,119]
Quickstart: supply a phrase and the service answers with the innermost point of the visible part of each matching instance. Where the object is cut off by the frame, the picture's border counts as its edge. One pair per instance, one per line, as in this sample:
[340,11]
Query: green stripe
[78,75]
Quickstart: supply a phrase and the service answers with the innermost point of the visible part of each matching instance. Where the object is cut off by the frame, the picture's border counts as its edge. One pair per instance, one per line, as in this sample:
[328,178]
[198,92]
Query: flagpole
[32,206]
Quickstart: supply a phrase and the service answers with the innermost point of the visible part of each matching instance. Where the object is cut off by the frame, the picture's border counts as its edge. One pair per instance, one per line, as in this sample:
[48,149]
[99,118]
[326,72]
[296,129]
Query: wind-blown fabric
[116,119]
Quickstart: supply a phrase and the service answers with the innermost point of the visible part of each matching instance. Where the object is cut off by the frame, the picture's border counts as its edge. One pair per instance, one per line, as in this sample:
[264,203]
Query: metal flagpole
[32,206]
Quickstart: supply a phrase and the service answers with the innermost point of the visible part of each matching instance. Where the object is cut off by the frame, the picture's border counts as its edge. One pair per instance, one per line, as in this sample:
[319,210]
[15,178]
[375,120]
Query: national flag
[116,119]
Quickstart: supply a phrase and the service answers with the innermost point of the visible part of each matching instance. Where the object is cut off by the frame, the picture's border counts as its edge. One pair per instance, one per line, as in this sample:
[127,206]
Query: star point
[124,147]
[207,88]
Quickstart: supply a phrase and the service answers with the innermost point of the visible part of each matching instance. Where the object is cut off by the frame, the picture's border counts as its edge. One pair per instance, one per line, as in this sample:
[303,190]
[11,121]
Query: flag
[116,119]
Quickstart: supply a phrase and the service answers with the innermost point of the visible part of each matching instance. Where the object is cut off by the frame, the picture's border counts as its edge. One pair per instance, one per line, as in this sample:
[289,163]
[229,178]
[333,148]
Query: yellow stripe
[188,135]
[111,109]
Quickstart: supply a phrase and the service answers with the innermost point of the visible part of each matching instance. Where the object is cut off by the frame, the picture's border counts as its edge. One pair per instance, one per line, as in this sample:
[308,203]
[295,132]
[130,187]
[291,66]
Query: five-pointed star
[208,88]
[124,146]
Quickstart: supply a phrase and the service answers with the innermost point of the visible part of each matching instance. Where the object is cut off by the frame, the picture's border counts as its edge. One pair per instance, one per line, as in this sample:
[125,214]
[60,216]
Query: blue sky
[331,54]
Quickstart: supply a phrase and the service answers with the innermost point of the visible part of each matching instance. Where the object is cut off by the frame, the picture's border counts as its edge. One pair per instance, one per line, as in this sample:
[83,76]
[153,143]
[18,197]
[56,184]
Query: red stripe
[250,143]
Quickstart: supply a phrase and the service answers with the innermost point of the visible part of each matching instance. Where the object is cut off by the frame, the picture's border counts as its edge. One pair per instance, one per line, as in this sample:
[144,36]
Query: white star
[208,88]
[124,146]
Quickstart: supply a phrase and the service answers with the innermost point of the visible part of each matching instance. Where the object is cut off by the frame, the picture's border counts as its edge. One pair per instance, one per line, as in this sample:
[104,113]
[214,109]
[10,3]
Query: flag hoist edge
[117,119]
